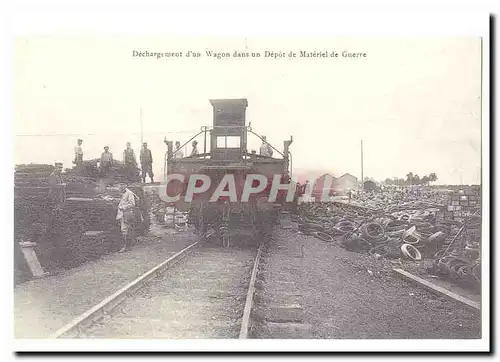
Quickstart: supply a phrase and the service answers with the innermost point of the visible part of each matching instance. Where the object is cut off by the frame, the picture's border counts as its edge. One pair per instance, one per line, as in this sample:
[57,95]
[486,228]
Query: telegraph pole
[362,178]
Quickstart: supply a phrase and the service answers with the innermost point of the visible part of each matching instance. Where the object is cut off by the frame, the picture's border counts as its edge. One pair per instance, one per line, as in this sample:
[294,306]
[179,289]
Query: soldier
[265,148]
[78,153]
[130,162]
[106,161]
[125,214]
[146,162]
[56,183]
[194,152]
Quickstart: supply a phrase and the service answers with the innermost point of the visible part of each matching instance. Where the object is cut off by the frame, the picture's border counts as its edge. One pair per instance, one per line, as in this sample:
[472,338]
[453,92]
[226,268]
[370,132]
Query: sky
[415,102]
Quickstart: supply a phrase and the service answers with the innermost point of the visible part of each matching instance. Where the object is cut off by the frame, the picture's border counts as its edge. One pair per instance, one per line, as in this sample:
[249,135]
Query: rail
[78,325]
[99,311]
[247,312]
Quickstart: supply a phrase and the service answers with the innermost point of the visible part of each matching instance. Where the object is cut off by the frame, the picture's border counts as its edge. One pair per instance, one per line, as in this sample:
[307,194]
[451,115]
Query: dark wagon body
[228,154]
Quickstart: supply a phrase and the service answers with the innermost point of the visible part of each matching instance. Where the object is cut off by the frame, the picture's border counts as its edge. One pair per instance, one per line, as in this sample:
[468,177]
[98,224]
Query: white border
[323,20]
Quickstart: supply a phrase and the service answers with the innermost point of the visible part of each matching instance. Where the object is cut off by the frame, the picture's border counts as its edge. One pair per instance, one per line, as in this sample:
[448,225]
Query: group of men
[178,153]
[107,161]
[265,149]
[128,202]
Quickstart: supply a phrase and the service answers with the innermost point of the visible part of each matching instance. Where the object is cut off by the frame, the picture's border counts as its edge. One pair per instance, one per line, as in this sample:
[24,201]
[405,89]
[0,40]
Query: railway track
[209,294]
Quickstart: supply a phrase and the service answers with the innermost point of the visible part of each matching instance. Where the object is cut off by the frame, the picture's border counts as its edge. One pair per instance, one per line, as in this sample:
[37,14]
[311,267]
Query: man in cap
[265,148]
[146,162]
[130,162]
[125,214]
[78,153]
[194,152]
[106,161]
[56,183]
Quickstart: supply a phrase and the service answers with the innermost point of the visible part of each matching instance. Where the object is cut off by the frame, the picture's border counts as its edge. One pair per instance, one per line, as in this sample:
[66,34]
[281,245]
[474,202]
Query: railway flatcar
[228,191]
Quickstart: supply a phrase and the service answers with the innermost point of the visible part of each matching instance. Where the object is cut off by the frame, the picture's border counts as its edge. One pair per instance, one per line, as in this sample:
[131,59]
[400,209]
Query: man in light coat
[78,153]
[178,152]
[125,216]
[265,148]
[194,152]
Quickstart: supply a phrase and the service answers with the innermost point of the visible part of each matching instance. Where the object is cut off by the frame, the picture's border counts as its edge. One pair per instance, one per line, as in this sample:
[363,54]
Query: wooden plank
[438,290]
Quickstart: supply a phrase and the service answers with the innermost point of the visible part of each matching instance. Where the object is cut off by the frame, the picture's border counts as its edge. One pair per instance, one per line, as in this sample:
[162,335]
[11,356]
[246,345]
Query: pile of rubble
[81,228]
[90,169]
[165,214]
[409,229]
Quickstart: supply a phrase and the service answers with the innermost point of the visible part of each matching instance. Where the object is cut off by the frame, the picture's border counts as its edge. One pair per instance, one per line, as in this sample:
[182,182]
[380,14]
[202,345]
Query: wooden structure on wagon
[228,154]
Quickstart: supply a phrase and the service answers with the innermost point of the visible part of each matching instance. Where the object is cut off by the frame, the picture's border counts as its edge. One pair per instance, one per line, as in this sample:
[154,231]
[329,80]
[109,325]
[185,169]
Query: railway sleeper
[283,298]
[280,313]
[283,330]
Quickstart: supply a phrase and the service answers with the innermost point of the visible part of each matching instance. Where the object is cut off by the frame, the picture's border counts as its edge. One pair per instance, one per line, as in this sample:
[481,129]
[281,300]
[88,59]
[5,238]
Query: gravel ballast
[351,295]
[42,306]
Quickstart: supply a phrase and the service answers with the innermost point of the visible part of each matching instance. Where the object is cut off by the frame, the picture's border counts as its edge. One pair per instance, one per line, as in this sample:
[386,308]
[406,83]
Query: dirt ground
[352,295]
[42,306]
[201,297]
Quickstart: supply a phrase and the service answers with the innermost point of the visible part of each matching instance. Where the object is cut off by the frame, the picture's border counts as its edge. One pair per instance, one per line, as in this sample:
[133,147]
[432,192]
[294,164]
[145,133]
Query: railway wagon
[225,153]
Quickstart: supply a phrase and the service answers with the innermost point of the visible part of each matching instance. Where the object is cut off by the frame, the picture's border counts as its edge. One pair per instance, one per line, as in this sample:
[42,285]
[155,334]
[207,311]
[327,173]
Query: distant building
[369,186]
[346,182]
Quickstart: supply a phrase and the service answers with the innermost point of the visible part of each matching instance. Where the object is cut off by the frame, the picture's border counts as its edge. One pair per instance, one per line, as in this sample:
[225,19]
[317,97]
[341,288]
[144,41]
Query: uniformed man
[56,184]
[106,161]
[194,152]
[130,162]
[146,162]
[78,153]
[265,148]
[125,215]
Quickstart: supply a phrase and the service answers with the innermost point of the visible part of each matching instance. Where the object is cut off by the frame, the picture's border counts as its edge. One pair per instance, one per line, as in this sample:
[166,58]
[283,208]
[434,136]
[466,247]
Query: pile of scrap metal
[166,214]
[81,226]
[32,210]
[412,234]
[460,260]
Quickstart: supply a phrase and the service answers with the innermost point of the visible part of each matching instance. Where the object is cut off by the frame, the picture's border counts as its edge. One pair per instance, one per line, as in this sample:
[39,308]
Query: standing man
[146,162]
[130,162]
[106,161]
[78,153]
[178,152]
[194,152]
[265,148]
[125,215]
[56,183]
